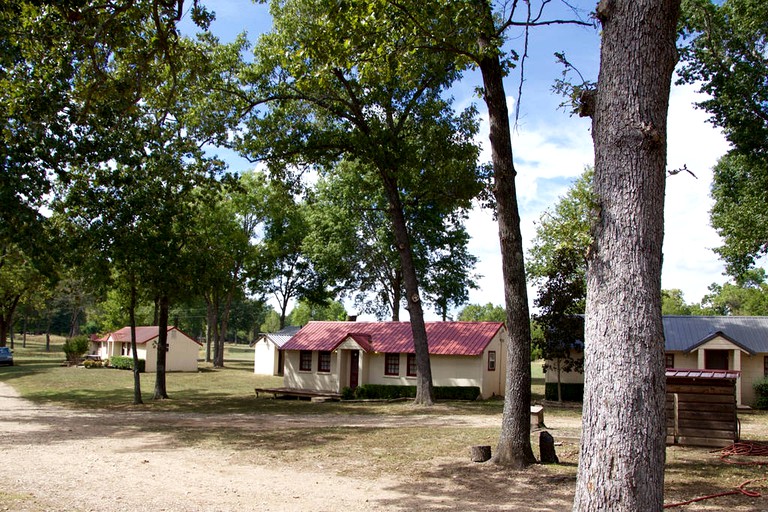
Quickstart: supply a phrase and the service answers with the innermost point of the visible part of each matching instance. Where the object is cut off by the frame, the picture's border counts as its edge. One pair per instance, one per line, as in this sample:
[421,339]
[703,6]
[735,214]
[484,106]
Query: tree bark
[514,448]
[162,344]
[136,370]
[6,319]
[425,394]
[621,465]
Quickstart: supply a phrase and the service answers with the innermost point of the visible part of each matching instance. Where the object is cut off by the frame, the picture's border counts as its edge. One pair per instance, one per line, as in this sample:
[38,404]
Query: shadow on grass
[479,487]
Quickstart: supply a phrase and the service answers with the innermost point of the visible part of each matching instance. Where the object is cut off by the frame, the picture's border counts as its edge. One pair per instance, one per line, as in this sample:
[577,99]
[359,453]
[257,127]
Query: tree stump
[480,453]
[547,448]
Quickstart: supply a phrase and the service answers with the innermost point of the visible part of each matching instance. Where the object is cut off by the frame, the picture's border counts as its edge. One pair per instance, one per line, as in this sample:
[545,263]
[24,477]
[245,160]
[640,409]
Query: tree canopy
[373,97]
[723,51]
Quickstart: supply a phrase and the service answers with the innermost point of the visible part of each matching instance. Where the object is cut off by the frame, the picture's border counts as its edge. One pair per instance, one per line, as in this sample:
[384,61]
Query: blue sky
[552,149]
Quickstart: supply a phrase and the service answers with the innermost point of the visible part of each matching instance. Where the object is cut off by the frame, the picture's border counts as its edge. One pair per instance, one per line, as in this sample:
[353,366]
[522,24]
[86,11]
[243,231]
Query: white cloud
[550,155]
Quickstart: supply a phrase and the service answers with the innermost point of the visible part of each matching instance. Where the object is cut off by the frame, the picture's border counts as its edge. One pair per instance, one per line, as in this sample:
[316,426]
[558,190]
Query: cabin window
[765,366]
[669,360]
[411,365]
[392,364]
[305,361]
[491,360]
[324,362]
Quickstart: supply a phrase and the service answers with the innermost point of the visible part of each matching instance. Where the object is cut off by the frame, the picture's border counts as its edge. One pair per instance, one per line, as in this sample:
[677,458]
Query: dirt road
[58,459]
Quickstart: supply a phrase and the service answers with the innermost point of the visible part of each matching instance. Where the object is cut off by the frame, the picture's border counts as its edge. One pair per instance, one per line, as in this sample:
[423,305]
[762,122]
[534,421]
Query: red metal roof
[144,333]
[444,338]
[702,373]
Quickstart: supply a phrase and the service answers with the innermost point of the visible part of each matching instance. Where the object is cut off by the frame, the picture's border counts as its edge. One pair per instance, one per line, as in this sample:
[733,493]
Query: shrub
[387,392]
[75,348]
[126,363]
[761,394]
[90,363]
[347,393]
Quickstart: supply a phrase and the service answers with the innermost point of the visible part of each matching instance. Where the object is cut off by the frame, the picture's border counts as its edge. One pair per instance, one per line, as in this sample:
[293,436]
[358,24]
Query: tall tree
[370,96]
[291,273]
[621,465]
[476,30]
[723,52]
[351,243]
[18,278]
[673,303]
[306,311]
[748,296]
[563,230]
[228,235]
[560,301]
[483,313]
[740,191]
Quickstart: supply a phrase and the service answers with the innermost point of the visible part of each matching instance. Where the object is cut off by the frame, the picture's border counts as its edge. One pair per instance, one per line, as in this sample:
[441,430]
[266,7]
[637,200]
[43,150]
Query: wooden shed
[701,407]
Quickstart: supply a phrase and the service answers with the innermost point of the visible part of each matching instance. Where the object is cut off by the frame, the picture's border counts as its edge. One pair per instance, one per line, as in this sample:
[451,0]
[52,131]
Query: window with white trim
[392,364]
[305,361]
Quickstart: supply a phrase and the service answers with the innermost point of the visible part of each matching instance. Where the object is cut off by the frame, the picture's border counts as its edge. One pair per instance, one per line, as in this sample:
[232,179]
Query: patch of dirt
[59,459]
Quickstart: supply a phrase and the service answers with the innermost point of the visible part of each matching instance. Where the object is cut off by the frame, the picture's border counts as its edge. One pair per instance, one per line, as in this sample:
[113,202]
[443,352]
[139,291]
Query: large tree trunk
[621,465]
[6,319]
[514,448]
[210,319]
[162,346]
[136,370]
[425,393]
[397,286]
[218,357]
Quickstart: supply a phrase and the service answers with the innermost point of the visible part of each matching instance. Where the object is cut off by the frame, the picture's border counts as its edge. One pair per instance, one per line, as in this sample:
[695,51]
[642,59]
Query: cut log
[480,453]
[547,448]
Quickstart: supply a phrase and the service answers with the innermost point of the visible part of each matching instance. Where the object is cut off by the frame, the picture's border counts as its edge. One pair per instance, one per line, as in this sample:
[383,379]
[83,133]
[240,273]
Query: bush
[570,392]
[347,393]
[386,392]
[126,363]
[75,348]
[90,363]
[761,394]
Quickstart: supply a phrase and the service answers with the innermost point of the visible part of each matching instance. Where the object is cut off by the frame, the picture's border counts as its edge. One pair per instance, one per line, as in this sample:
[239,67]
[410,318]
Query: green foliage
[672,303]
[126,363]
[487,313]
[723,51]
[747,297]
[306,311]
[387,392]
[565,229]
[75,348]
[377,99]
[570,392]
[271,322]
[740,191]
[351,241]
[761,394]
[90,363]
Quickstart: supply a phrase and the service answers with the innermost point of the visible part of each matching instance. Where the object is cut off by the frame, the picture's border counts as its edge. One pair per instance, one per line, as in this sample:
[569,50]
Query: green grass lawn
[42,376]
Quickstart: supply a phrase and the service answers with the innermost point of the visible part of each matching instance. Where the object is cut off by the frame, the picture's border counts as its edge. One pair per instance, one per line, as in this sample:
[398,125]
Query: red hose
[739,450]
[741,489]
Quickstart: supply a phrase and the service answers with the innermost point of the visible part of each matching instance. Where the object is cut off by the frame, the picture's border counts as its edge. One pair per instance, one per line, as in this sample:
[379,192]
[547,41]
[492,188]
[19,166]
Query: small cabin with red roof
[181,355]
[330,356]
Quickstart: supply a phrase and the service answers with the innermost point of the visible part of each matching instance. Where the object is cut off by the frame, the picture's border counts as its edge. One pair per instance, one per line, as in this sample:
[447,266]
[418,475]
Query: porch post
[702,360]
[737,366]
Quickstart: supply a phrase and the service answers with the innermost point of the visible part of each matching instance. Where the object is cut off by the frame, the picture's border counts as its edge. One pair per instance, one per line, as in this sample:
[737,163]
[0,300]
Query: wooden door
[354,368]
